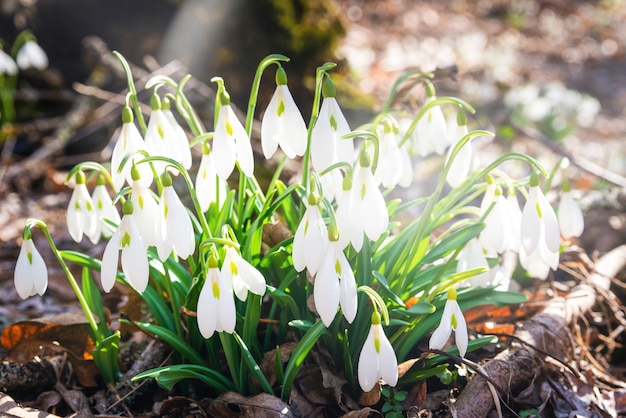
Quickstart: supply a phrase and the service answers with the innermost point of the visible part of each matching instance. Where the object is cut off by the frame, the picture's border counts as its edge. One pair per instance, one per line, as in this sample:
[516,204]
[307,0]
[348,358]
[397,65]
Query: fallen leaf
[10,409]
[234,405]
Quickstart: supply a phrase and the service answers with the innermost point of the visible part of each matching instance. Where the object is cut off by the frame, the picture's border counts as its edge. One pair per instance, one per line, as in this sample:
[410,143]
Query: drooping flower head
[243,275]
[216,304]
[431,130]
[174,230]
[129,142]
[128,241]
[104,208]
[30,276]
[311,239]
[31,55]
[464,161]
[81,214]
[496,236]
[182,143]
[231,143]
[145,208]
[7,65]
[451,319]
[161,138]
[282,122]
[539,228]
[390,156]
[327,143]
[335,285]
[377,360]
[210,188]
[569,214]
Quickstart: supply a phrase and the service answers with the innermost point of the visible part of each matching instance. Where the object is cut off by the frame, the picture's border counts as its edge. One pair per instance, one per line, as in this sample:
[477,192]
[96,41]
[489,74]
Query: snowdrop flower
[515,215]
[471,257]
[349,231]
[390,156]
[463,162]
[104,210]
[243,276]
[367,206]
[210,187]
[145,207]
[451,319]
[406,167]
[174,230]
[327,145]
[7,65]
[570,216]
[161,138]
[311,239]
[184,151]
[31,55]
[430,131]
[496,236]
[129,142]
[335,286]
[282,122]
[377,359]
[216,304]
[81,215]
[126,240]
[231,142]
[539,227]
[30,276]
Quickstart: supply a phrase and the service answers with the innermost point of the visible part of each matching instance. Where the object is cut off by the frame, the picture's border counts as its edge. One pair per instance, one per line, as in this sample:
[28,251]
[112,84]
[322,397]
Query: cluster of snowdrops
[193,242]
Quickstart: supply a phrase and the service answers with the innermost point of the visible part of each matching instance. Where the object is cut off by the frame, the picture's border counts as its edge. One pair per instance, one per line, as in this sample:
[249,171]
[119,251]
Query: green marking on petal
[281,108]
[377,344]
[160,131]
[453,321]
[306,226]
[229,129]
[216,290]
[233,268]
[363,190]
[100,204]
[165,210]
[140,201]
[538,208]
[30,257]
[333,122]
[77,206]
[338,267]
[125,240]
[88,206]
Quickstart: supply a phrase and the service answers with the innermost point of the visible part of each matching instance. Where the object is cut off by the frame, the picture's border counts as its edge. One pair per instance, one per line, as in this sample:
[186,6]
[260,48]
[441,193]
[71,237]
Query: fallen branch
[515,367]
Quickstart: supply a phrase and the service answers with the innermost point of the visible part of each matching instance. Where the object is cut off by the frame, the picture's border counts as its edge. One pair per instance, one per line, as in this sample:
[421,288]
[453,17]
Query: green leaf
[168,376]
[419,308]
[301,324]
[385,285]
[171,339]
[105,355]
[299,354]
[453,242]
[252,365]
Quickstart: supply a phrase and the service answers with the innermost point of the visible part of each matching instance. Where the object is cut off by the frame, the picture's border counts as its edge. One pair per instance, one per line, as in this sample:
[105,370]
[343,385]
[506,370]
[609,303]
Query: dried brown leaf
[10,409]
[234,405]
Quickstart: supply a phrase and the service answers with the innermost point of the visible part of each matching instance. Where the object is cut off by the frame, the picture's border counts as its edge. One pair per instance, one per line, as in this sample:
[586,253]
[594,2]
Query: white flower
[570,216]
[349,231]
[30,276]
[327,145]
[406,167]
[216,304]
[430,131]
[128,142]
[146,210]
[282,122]
[209,186]
[243,276]
[184,151]
[7,65]
[81,216]
[539,227]
[515,214]
[231,144]
[463,162]
[174,230]
[161,138]
[367,206]
[377,359]
[471,257]
[534,263]
[126,239]
[31,55]
[310,241]
[335,286]
[451,319]
[496,236]
[390,156]
[104,210]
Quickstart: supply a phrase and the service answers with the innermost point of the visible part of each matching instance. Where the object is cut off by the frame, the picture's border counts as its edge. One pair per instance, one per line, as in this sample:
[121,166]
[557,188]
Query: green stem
[133,92]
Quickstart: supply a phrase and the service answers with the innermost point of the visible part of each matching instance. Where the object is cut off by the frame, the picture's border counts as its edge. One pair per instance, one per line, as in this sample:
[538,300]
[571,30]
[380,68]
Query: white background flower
[570,216]
[128,142]
[209,186]
[105,209]
[31,55]
[30,276]
[310,241]
[81,215]
[7,65]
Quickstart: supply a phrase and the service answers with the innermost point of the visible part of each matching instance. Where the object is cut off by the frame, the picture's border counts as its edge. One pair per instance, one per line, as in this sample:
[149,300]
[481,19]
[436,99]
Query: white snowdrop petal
[110,258]
[367,369]
[326,289]
[530,222]
[387,361]
[207,306]
[226,314]
[551,224]
[460,333]
[272,125]
[348,293]
[570,217]
[225,152]
[135,259]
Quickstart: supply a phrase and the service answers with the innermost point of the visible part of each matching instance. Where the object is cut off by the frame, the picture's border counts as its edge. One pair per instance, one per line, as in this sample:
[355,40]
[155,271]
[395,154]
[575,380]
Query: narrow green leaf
[385,285]
[252,365]
[168,376]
